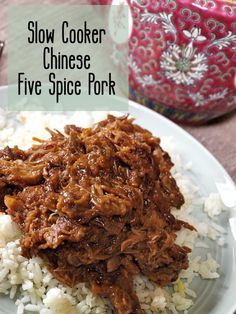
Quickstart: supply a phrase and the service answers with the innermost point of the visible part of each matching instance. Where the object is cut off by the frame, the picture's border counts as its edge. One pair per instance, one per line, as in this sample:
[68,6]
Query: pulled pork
[95,204]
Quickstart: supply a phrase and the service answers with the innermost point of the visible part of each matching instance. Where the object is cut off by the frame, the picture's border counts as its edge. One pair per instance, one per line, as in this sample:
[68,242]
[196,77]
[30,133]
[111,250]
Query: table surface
[219,137]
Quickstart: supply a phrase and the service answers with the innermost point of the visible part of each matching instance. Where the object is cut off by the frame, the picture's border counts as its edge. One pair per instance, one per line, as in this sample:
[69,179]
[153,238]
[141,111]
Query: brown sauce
[95,204]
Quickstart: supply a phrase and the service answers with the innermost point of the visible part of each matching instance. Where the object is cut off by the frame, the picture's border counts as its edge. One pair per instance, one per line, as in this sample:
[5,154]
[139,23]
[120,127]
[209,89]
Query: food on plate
[95,204]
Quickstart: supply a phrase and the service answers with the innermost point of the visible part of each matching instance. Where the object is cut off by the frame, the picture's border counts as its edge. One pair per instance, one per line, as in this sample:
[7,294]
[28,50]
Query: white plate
[214,296]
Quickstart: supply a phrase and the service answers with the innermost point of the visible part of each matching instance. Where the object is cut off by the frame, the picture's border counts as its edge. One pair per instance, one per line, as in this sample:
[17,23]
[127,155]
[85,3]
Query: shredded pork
[95,204]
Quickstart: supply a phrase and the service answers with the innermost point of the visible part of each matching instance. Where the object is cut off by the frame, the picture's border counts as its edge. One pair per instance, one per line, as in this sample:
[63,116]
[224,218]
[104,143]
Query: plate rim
[142,109]
[188,135]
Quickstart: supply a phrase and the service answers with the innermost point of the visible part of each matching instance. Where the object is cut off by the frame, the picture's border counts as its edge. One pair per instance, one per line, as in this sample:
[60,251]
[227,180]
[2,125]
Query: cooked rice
[32,286]
[213,205]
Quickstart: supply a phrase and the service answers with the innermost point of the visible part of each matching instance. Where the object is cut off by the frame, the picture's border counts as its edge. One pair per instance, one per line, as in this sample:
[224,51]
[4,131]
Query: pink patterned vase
[182,57]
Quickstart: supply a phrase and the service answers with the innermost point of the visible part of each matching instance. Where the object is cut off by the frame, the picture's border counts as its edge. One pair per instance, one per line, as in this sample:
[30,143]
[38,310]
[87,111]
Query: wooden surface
[218,136]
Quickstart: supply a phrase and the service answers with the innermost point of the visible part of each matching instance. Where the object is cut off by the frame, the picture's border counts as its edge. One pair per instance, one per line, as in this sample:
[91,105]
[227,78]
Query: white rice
[213,205]
[34,289]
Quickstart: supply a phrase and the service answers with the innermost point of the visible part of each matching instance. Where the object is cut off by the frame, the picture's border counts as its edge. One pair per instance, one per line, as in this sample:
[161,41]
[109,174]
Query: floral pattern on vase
[183,65]
[182,57]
